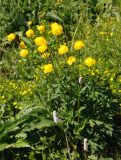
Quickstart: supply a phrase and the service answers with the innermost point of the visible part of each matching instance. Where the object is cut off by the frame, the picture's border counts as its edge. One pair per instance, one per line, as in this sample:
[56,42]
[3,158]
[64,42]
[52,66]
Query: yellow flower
[41,28]
[56,29]
[78,45]
[45,55]
[22,45]
[63,49]
[23,53]
[30,33]
[48,68]
[11,37]
[71,60]
[40,41]
[89,61]
[42,48]
[29,23]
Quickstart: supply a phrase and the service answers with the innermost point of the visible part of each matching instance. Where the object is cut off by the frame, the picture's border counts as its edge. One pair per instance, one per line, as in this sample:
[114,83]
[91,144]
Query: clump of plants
[63,93]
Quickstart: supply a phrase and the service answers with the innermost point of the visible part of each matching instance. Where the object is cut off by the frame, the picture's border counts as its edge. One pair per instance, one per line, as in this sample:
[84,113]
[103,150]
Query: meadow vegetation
[60,80]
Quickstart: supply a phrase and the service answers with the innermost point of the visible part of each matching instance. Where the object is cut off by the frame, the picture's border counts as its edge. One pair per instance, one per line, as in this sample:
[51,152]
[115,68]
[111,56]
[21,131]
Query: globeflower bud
[30,33]
[56,29]
[63,49]
[71,60]
[41,28]
[42,48]
[11,37]
[89,61]
[23,53]
[78,45]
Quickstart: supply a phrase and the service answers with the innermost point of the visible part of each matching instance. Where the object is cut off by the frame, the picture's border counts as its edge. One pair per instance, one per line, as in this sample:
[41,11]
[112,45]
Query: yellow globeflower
[22,45]
[71,60]
[41,28]
[30,33]
[40,41]
[42,48]
[56,29]
[45,55]
[23,53]
[48,68]
[63,49]
[89,61]
[78,45]
[11,37]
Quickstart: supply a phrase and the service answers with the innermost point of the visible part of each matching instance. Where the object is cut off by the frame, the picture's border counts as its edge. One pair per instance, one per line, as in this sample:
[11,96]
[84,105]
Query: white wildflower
[85,147]
[55,117]
[80,80]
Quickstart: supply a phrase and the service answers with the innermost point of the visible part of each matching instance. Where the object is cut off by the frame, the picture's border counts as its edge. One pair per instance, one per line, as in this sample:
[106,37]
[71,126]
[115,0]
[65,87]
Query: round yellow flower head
[56,29]
[71,60]
[89,61]
[22,45]
[41,28]
[23,53]
[42,48]
[78,45]
[63,49]
[30,33]
[40,41]
[48,68]
[11,37]
[45,55]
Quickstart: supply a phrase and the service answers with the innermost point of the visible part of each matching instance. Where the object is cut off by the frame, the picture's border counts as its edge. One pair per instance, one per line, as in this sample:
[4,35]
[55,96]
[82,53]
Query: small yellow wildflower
[48,68]
[14,103]
[45,55]
[41,28]
[11,37]
[71,60]
[63,49]
[22,45]
[111,33]
[101,33]
[23,53]
[119,90]
[24,92]
[111,79]
[3,97]
[29,33]
[40,41]
[89,61]
[42,48]
[5,101]
[114,91]
[78,45]
[97,70]
[92,73]
[56,29]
